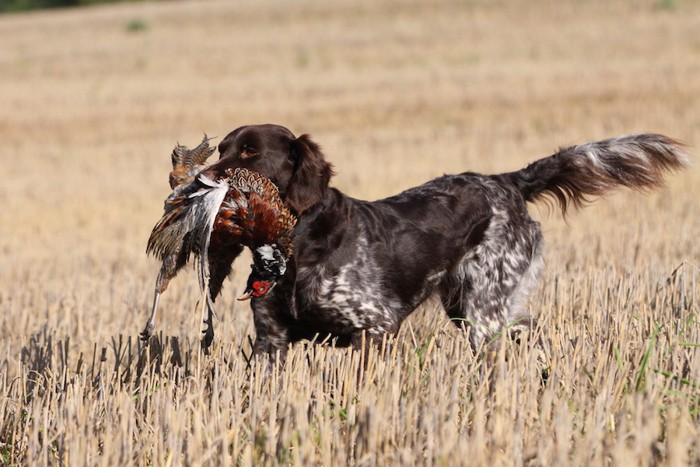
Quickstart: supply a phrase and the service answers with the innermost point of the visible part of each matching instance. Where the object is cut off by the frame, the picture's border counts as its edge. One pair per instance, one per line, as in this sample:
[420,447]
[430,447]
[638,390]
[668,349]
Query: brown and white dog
[364,266]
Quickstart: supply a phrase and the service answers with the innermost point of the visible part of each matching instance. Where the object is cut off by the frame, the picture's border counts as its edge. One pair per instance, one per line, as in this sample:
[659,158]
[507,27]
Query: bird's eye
[260,288]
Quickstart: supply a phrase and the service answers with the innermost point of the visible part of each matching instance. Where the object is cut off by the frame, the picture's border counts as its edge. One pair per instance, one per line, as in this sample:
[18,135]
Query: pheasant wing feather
[190,211]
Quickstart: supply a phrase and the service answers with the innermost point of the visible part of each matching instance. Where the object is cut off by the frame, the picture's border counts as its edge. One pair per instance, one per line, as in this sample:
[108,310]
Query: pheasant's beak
[246,296]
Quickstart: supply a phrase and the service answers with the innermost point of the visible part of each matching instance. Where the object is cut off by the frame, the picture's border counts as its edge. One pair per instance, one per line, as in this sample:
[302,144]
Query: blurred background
[94,98]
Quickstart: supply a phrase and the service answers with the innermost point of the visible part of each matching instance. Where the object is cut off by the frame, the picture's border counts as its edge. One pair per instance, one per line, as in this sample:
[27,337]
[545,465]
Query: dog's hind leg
[487,292]
[518,319]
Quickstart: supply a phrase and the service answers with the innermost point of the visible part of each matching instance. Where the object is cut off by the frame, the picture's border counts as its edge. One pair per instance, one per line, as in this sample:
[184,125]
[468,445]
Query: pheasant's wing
[189,212]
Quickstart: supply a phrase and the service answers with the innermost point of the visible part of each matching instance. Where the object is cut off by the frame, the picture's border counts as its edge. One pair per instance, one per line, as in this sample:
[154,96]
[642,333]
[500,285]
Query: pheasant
[214,218]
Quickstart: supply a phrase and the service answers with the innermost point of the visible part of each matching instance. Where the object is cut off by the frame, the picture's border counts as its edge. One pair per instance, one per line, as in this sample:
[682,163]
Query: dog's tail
[591,169]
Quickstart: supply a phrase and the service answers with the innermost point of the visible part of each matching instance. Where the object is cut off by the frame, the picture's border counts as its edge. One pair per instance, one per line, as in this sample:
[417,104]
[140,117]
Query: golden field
[92,102]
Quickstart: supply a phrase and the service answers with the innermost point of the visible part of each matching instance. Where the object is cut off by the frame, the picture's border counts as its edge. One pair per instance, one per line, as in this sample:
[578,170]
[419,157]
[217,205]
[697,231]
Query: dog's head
[295,165]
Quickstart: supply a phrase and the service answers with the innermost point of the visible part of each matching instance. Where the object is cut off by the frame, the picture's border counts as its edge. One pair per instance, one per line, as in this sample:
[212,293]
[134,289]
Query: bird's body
[215,219]
[244,208]
[253,211]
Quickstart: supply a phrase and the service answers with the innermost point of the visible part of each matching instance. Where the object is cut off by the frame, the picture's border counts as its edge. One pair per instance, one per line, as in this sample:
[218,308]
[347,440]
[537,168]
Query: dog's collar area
[310,214]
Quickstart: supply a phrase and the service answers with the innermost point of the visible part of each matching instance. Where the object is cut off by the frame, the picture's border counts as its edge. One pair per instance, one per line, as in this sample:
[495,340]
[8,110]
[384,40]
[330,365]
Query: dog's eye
[248,151]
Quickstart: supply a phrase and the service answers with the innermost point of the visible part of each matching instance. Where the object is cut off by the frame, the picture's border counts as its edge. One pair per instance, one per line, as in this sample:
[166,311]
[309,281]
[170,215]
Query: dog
[359,268]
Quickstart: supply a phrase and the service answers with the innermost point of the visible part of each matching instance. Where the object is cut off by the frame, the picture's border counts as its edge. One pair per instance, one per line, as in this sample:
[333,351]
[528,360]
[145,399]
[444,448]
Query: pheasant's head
[269,265]
[187,163]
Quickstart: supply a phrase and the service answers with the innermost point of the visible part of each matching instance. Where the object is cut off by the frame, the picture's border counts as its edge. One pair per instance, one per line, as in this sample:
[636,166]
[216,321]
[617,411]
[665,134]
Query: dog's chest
[348,297]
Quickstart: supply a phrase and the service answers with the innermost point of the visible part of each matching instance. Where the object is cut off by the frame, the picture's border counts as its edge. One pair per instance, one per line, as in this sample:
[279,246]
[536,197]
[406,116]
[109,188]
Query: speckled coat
[466,239]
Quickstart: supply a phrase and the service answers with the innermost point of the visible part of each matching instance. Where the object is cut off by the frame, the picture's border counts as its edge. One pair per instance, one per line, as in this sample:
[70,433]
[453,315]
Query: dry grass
[93,100]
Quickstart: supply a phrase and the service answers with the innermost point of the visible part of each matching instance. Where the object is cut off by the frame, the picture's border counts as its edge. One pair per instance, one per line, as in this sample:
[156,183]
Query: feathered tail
[591,169]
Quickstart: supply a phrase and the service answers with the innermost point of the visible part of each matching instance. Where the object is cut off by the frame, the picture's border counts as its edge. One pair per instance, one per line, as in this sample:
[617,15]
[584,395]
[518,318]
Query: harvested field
[92,102]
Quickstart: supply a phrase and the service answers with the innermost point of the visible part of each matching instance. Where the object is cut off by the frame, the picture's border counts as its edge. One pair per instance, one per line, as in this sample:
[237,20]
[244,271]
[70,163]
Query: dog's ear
[311,175]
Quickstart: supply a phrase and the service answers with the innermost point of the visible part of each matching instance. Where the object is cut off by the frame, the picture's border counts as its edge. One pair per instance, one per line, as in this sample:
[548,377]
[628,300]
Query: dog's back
[467,238]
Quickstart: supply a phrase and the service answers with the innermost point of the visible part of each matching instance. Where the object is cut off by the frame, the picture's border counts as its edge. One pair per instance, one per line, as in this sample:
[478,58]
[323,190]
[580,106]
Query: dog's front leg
[271,346]
[271,329]
[220,262]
